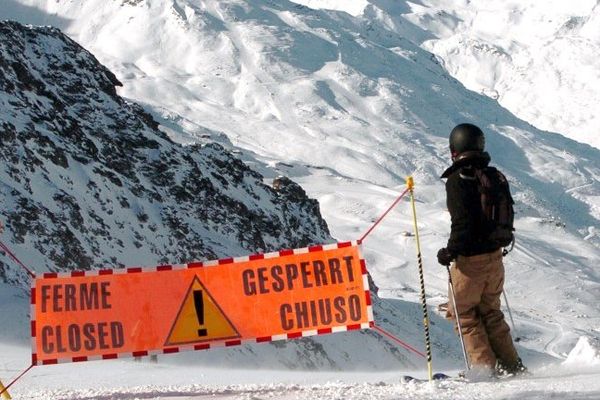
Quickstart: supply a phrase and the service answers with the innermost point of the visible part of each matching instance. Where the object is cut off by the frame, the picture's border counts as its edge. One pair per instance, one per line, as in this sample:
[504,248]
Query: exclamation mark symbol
[199,304]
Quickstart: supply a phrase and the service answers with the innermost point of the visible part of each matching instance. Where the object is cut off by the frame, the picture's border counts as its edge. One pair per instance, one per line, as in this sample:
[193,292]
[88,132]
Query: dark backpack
[497,205]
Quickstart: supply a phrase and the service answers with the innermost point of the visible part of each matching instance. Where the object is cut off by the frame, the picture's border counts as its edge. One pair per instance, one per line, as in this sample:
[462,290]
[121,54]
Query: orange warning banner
[106,314]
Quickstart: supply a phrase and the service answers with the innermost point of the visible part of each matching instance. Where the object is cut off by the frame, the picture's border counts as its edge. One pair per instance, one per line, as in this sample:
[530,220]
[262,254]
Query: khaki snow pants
[478,284]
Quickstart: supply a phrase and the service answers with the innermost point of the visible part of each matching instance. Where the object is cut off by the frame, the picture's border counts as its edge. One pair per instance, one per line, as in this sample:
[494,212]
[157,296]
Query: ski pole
[453,297]
[411,184]
[512,321]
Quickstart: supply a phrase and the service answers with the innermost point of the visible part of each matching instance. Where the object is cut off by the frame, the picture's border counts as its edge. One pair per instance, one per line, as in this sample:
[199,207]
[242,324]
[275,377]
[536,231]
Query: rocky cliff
[89,180]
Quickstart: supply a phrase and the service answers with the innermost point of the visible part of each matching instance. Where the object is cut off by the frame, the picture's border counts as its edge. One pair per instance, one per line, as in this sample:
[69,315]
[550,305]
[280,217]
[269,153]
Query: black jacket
[467,237]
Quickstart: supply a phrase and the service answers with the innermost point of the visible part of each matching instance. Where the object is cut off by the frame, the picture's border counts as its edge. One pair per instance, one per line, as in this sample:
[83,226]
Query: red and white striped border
[203,346]
[33,327]
[201,264]
[212,345]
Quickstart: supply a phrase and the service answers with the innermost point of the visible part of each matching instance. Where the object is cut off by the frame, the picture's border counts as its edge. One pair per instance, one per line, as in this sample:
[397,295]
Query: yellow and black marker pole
[411,184]
[4,392]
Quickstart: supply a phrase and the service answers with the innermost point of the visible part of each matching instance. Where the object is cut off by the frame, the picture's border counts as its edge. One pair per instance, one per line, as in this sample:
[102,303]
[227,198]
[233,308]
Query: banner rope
[395,339]
[4,394]
[11,254]
[383,215]
[5,390]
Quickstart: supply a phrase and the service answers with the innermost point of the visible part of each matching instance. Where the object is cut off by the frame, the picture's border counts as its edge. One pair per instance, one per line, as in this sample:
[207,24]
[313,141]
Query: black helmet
[466,137]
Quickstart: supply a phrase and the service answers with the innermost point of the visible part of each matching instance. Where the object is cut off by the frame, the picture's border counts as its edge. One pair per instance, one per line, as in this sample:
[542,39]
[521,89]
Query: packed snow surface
[585,353]
[134,380]
[348,104]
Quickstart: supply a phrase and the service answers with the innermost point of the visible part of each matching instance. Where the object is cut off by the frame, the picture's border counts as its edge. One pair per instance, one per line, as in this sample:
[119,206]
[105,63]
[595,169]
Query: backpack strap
[512,245]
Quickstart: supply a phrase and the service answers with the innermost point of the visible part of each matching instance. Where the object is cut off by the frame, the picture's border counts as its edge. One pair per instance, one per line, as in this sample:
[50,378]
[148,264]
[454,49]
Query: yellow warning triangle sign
[200,319]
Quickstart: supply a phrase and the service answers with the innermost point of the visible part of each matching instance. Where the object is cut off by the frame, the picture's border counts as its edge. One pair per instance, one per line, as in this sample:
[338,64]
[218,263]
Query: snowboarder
[477,272]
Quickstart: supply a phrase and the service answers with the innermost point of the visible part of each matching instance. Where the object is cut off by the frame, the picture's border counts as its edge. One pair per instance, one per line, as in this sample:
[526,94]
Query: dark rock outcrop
[88,180]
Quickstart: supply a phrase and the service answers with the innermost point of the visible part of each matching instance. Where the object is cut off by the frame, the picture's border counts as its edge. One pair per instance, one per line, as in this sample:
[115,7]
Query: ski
[470,378]
[436,377]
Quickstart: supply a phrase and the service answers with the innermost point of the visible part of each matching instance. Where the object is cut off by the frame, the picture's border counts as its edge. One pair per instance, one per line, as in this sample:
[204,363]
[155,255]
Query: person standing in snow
[477,271]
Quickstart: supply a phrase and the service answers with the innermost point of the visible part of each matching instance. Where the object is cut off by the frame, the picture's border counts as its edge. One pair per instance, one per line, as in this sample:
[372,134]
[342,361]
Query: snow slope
[539,61]
[349,106]
[124,381]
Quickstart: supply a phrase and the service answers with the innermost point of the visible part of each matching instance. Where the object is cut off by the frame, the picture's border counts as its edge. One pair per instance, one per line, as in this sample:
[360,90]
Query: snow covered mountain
[284,81]
[348,106]
[89,181]
[539,61]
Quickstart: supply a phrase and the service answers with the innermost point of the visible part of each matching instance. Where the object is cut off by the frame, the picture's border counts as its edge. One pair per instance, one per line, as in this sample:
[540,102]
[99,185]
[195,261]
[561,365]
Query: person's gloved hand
[445,257]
